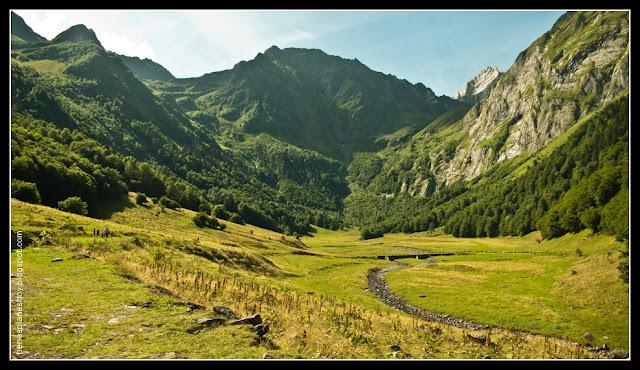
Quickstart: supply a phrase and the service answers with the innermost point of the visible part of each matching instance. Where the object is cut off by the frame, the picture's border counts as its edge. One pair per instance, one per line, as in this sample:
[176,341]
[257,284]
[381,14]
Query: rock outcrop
[570,71]
[479,86]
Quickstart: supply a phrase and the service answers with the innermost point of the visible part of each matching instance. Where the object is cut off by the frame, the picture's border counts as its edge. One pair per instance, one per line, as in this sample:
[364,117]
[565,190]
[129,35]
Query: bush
[236,219]
[591,218]
[623,267]
[168,202]
[141,199]
[371,234]
[205,207]
[74,205]
[220,212]
[26,191]
[202,219]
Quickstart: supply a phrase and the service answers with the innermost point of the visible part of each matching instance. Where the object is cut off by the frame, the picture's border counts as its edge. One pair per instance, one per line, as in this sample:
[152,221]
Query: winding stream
[376,284]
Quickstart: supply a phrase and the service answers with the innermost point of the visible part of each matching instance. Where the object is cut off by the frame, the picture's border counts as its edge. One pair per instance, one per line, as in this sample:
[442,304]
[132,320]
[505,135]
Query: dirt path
[377,285]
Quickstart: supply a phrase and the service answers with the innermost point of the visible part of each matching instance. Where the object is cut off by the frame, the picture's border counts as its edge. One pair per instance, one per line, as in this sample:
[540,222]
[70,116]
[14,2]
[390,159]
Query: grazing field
[564,296]
[156,280]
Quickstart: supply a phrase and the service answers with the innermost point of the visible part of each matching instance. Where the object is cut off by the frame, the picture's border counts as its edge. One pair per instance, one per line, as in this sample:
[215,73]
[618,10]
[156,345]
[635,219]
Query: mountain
[554,124]
[310,99]
[296,137]
[474,89]
[22,31]
[146,69]
[572,70]
[71,87]
[77,33]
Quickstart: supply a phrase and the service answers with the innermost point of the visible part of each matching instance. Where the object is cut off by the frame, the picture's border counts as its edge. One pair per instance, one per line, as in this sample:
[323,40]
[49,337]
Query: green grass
[78,298]
[316,298]
[46,66]
[536,293]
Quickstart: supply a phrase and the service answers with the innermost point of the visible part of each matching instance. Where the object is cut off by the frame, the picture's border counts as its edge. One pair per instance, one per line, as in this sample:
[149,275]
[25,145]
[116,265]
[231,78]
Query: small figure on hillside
[106,232]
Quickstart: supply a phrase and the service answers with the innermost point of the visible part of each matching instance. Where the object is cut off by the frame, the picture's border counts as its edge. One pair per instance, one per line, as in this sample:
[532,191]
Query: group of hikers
[104,234]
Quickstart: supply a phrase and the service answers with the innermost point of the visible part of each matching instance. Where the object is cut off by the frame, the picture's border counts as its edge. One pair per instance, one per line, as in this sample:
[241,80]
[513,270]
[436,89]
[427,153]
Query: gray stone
[225,312]
[250,320]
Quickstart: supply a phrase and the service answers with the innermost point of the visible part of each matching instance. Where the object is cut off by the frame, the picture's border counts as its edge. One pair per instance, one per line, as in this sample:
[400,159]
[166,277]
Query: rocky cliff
[474,89]
[569,72]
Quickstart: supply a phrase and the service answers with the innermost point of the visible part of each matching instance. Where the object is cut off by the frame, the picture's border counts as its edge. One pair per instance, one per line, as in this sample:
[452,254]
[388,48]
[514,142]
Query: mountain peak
[272,49]
[146,68]
[79,32]
[22,30]
[479,84]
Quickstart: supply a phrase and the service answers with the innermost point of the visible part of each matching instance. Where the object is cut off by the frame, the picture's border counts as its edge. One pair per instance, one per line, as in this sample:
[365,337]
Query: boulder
[587,336]
[204,323]
[56,260]
[225,312]
[194,306]
[209,321]
[249,320]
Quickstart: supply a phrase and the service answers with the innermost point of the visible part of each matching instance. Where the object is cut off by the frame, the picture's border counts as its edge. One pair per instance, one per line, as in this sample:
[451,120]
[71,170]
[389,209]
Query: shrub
[26,191]
[371,234]
[623,267]
[141,199]
[205,207]
[213,223]
[202,219]
[220,212]
[591,218]
[74,205]
[168,202]
[236,219]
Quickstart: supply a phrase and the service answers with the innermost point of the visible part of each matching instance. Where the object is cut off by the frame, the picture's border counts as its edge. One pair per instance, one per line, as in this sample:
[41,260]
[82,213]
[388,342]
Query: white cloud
[191,43]
[47,23]
[233,36]
[131,45]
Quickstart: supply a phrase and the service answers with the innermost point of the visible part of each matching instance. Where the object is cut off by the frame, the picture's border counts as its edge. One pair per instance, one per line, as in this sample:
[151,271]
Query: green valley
[302,205]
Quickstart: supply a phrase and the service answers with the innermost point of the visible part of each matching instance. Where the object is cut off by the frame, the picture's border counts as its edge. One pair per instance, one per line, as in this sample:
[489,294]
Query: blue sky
[441,49]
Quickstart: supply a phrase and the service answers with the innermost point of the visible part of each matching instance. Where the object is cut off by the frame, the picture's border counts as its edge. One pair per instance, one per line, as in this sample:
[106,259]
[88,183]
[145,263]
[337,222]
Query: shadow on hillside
[107,209]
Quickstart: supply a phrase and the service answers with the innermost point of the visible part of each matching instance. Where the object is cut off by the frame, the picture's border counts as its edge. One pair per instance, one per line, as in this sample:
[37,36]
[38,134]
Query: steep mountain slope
[310,99]
[476,88]
[573,69]
[569,72]
[146,68]
[562,82]
[21,30]
[74,83]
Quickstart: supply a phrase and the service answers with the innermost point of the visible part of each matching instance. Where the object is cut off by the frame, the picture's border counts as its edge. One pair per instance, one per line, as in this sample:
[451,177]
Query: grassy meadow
[133,295]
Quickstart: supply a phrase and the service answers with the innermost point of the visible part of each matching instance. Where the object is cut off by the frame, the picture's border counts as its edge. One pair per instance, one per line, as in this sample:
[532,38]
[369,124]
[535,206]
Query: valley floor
[144,292]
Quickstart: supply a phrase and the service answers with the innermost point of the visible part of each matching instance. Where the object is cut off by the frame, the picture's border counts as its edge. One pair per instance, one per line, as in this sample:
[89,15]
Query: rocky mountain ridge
[474,89]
